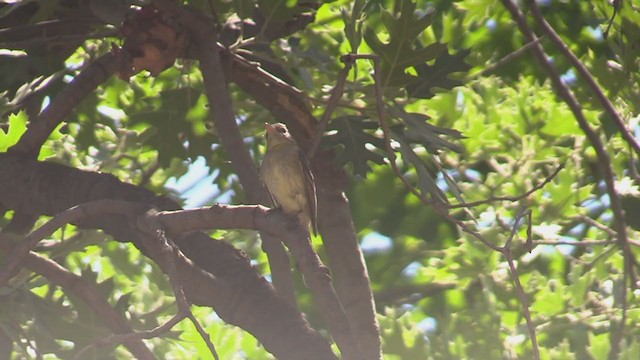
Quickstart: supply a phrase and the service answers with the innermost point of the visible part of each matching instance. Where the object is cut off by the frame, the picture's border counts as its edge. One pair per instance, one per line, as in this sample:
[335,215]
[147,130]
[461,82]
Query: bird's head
[277,134]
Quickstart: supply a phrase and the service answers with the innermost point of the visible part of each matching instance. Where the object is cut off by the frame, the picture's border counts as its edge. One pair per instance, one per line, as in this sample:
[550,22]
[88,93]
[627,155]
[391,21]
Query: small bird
[285,171]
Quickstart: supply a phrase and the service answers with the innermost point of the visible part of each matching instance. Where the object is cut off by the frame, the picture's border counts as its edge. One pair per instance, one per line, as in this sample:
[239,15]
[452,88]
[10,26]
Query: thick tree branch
[39,129]
[349,271]
[224,120]
[73,215]
[213,273]
[259,218]
[149,221]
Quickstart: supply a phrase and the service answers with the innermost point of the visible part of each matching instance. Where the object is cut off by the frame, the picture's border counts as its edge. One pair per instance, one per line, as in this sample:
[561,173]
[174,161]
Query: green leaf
[599,345]
[403,50]
[420,131]
[421,56]
[438,75]
[401,337]
[178,128]
[350,134]
[426,183]
[17,127]
[353,24]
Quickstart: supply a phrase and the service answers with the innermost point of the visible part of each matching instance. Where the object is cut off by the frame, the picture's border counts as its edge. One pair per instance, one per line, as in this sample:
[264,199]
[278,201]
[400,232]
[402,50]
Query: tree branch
[123,338]
[171,252]
[224,120]
[332,103]
[84,83]
[213,273]
[73,215]
[73,284]
[335,223]
[582,69]
[604,162]
[256,217]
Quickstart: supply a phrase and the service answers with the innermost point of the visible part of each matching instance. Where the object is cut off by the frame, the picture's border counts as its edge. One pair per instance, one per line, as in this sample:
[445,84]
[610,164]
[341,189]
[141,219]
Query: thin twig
[148,173]
[616,7]
[510,198]
[204,335]
[506,252]
[573,243]
[597,225]
[332,103]
[605,252]
[506,59]
[169,252]
[136,336]
[632,168]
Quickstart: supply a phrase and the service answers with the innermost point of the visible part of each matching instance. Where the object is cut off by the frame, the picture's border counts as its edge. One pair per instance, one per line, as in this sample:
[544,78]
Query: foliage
[461,131]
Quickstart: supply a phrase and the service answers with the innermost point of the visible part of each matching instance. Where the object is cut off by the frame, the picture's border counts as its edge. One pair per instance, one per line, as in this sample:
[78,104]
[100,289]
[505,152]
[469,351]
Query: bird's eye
[281,130]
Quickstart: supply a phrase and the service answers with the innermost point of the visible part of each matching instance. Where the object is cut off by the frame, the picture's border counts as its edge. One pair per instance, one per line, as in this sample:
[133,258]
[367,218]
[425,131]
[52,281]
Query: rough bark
[212,272]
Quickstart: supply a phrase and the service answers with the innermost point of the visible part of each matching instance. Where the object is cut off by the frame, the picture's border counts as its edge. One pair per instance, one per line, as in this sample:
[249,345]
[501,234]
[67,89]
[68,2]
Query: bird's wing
[262,178]
[273,200]
[310,187]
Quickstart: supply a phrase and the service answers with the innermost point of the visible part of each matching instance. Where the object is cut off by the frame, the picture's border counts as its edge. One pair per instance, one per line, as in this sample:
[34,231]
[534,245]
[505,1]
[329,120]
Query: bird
[286,174]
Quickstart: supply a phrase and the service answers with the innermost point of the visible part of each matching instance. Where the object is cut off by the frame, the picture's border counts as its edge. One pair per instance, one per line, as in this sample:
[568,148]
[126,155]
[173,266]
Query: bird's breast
[281,173]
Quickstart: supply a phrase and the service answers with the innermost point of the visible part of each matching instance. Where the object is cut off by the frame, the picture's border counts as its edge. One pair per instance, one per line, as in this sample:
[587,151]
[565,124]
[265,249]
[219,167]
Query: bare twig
[573,243]
[510,198]
[169,251]
[616,7]
[506,252]
[523,301]
[506,59]
[332,103]
[148,173]
[136,336]
[582,69]
[597,225]
[204,335]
